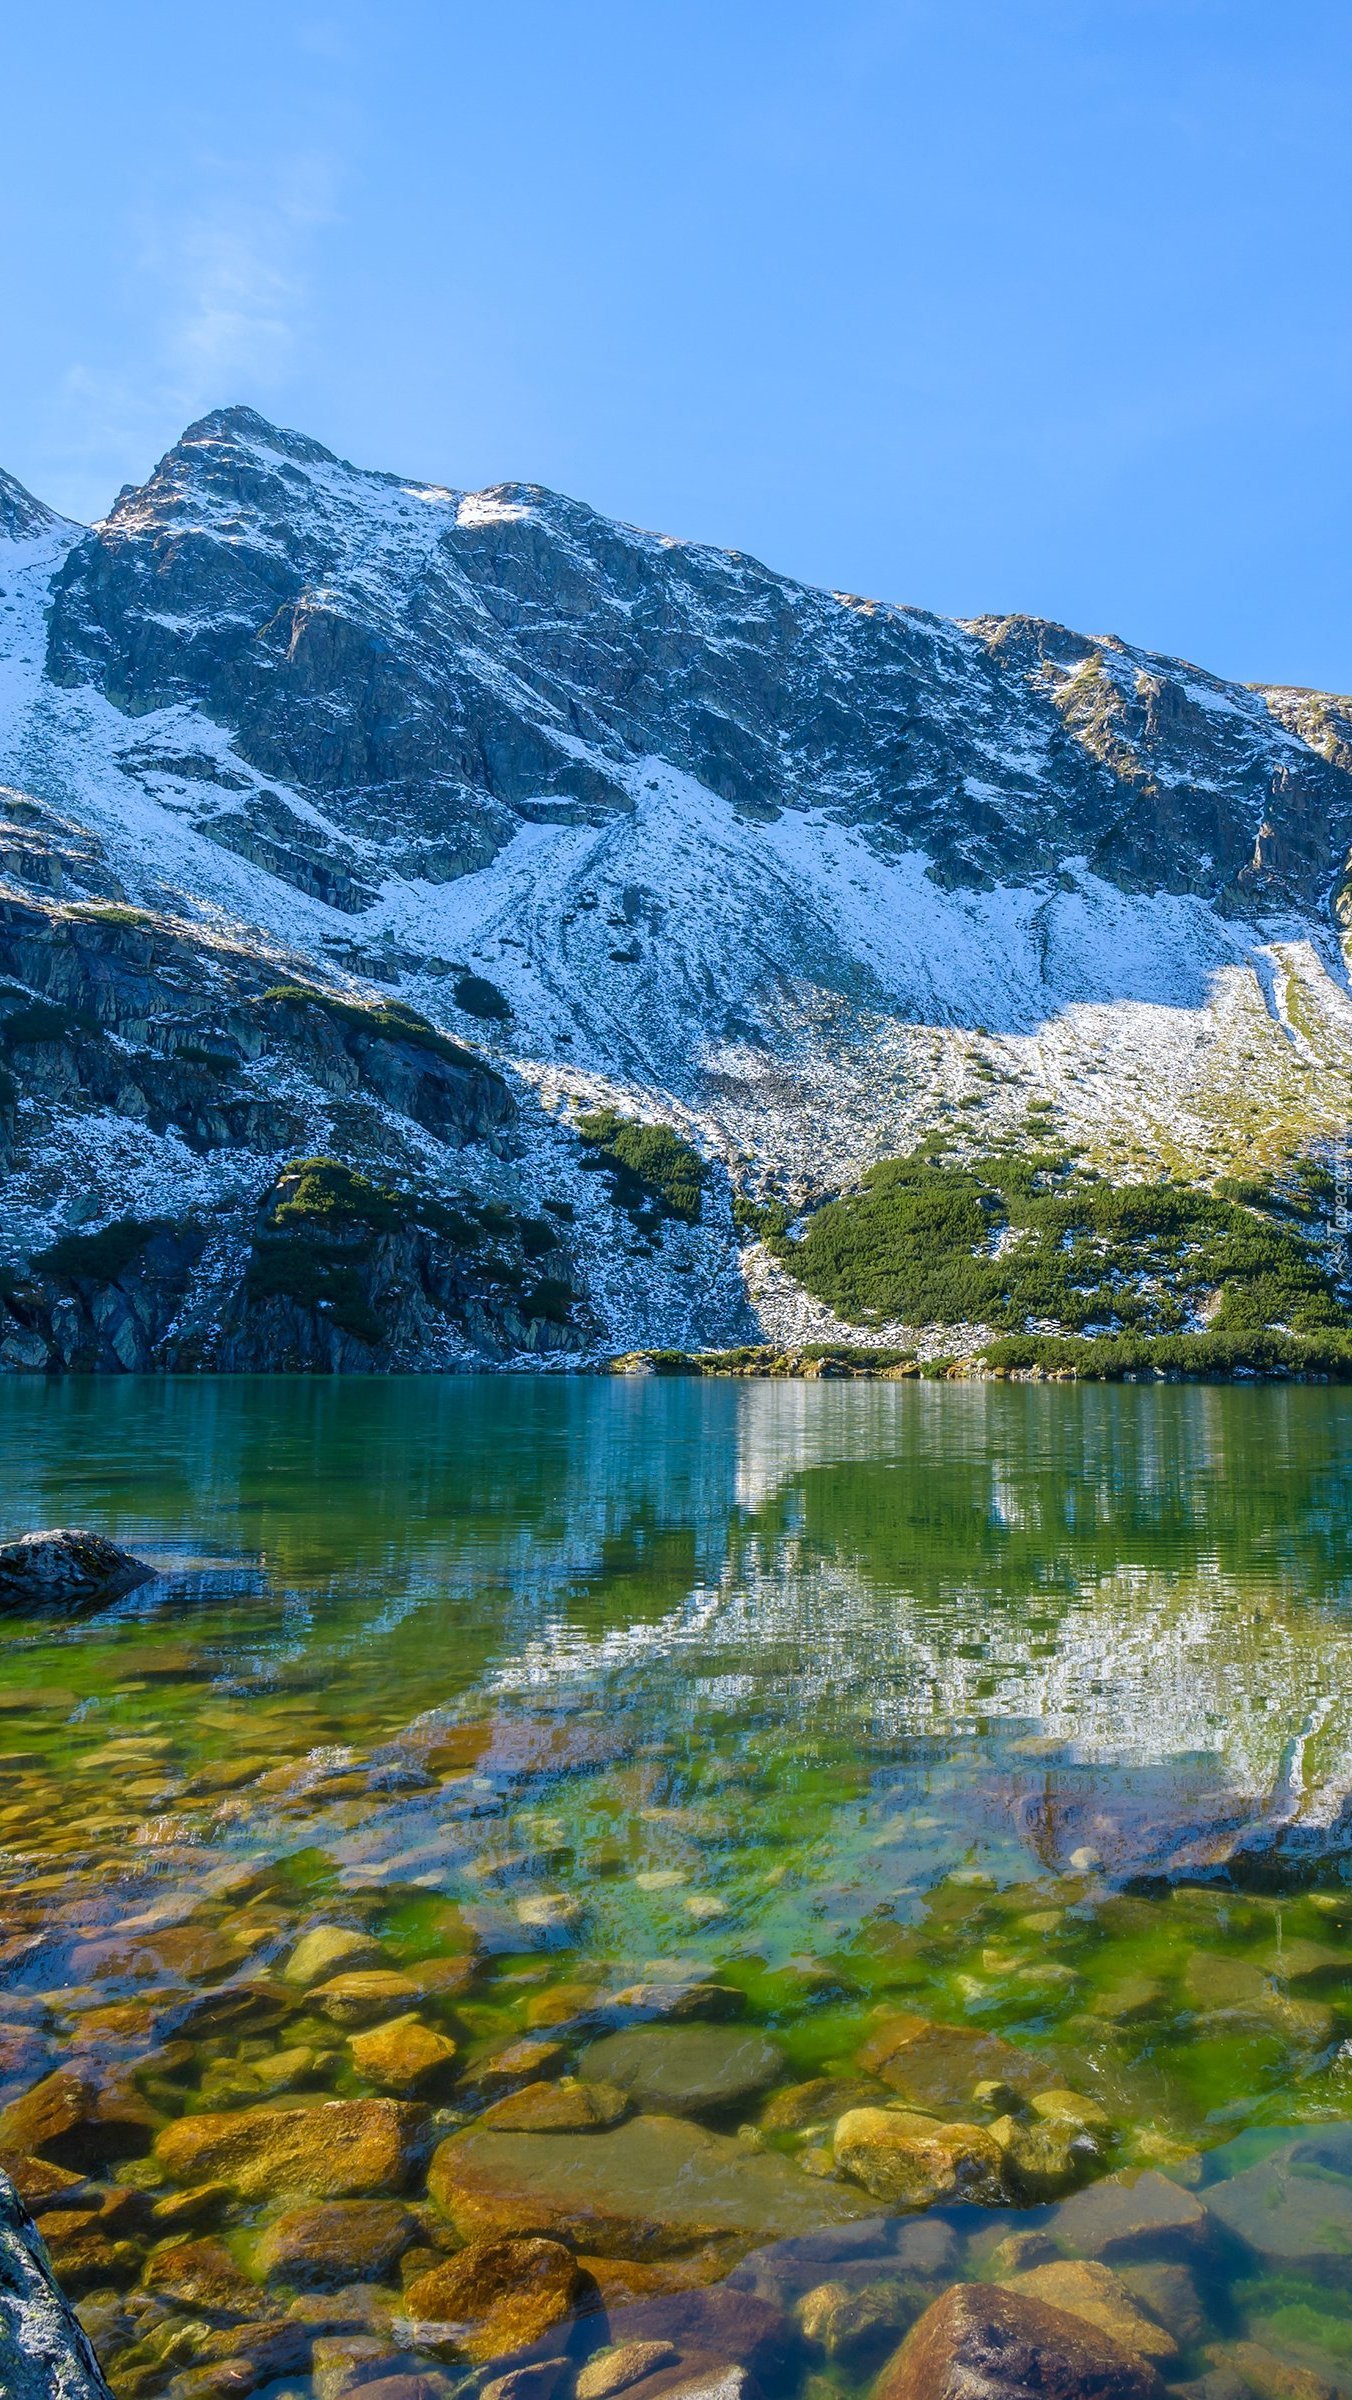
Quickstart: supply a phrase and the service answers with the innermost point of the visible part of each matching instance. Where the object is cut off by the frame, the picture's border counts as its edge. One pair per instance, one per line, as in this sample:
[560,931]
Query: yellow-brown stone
[338,2149]
[496,2297]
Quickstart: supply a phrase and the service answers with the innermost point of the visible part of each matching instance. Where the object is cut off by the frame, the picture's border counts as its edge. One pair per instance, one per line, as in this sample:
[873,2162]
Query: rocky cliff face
[360,820]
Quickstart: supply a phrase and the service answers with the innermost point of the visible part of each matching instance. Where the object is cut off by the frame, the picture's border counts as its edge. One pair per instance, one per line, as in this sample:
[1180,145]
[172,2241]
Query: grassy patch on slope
[321,1234]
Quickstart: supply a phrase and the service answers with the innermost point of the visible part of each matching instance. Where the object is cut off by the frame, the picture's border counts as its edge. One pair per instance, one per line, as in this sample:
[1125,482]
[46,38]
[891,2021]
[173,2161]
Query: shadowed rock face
[117,1017]
[432,667]
[44,2354]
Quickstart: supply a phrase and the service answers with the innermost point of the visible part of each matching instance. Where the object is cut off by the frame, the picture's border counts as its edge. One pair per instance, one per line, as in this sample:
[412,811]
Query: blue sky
[985,304]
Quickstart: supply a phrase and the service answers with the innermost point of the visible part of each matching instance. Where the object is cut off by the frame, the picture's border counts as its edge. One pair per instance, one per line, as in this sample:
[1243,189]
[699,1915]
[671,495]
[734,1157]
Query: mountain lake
[798,1846]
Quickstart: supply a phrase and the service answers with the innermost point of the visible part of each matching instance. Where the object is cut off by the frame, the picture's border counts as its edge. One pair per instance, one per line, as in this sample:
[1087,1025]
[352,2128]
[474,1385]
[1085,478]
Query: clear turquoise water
[825,1689]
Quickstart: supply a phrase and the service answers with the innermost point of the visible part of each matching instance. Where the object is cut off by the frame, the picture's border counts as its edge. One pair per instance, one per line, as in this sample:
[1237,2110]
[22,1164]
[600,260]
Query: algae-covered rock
[647,2189]
[911,2161]
[538,2379]
[1045,2159]
[673,2002]
[335,2242]
[516,2063]
[79,2119]
[201,2276]
[940,2066]
[621,2364]
[858,2327]
[405,2055]
[339,2149]
[818,2102]
[1260,2372]
[327,1950]
[365,1996]
[568,2106]
[1088,2289]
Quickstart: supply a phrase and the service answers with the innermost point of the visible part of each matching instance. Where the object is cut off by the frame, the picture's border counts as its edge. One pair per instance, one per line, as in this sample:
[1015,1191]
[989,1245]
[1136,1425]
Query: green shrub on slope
[1017,1241]
[651,1168]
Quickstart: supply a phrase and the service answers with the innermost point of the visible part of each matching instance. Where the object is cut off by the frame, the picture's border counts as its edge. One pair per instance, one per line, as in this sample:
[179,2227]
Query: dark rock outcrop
[66,1569]
[44,2352]
[121,1020]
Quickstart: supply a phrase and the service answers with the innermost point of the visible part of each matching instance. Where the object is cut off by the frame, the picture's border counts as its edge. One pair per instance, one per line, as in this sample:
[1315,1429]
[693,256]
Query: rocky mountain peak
[653,833]
[458,663]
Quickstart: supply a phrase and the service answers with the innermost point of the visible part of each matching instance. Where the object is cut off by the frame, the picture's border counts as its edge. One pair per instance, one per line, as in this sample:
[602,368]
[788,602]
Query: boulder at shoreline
[66,1568]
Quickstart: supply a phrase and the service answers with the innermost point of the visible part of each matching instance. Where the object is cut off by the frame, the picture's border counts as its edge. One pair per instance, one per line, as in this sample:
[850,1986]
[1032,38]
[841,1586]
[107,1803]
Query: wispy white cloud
[237,275]
[222,290]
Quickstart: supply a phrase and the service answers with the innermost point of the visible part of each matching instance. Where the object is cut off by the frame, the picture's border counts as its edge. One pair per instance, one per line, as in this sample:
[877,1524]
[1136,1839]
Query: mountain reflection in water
[1105,1616]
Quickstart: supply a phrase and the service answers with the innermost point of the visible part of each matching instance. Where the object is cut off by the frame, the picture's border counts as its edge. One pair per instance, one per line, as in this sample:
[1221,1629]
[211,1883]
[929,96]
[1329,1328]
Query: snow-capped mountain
[631,822]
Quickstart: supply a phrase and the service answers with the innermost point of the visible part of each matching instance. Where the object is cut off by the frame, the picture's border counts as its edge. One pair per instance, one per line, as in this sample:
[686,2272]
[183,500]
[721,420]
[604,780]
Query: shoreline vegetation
[1030,1358]
[1070,1278]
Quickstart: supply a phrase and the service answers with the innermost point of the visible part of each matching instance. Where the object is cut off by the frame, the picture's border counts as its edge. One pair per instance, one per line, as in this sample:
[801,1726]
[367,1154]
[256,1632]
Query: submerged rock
[496,2297]
[798,2106]
[719,2324]
[327,1950]
[44,2351]
[404,2054]
[366,1995]
[1044,2160]
[940,2066]
[200,2276]
[1291,2213]
[858,2327]
[647,2189]
[674,2001]
[337,2149]
[686,2068]
[911,2161]
[78,2120]
[1086,2288]
[66,1568]
[568,2106]
[980,2342]
[621,2364]
[1131,2216]
[1251,2368]
[335,2242]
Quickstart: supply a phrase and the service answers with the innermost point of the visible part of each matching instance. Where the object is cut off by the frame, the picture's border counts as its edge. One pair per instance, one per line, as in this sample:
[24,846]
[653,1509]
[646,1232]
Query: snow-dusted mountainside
[583,816]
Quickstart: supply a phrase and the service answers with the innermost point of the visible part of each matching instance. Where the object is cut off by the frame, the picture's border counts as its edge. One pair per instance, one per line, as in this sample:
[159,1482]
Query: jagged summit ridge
[461,662]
